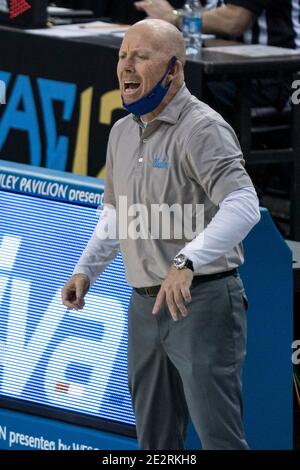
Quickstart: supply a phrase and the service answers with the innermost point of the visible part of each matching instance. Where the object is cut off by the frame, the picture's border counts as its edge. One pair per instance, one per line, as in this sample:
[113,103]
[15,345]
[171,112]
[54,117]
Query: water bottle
[191,26]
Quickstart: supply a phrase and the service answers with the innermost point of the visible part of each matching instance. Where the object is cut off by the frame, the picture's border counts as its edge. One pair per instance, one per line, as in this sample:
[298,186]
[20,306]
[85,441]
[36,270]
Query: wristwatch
[182,262]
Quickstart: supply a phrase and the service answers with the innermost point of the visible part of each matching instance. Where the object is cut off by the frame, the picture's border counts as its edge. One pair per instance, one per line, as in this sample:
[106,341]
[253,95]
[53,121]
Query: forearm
[228,20]
[102,247]
[237,215]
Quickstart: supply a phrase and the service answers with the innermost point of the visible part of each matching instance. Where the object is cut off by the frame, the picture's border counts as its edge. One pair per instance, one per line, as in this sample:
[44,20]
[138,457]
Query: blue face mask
[152,100]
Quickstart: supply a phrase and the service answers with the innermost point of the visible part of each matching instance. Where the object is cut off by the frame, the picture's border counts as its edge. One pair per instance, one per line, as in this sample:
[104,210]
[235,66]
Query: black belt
[153,290]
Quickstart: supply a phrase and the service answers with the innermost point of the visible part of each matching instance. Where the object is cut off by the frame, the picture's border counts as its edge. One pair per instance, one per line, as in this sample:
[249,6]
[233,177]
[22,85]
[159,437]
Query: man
[187,322]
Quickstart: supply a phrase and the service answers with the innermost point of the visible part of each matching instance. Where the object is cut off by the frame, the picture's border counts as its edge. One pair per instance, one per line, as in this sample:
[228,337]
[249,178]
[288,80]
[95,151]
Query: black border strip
[67,416]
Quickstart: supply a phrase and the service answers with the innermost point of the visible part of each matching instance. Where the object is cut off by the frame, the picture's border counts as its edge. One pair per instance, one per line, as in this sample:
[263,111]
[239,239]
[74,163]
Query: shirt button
[145,141]
[140,159]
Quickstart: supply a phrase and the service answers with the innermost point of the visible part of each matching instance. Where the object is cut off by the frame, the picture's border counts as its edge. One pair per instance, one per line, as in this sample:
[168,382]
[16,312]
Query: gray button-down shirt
[186,155]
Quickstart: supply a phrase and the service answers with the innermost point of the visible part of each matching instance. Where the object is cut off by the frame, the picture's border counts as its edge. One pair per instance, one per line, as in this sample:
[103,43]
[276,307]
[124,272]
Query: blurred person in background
[263,22]
[119,11]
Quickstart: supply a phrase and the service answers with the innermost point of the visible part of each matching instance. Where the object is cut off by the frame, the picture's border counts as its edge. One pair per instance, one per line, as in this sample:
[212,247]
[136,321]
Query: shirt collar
[172,111]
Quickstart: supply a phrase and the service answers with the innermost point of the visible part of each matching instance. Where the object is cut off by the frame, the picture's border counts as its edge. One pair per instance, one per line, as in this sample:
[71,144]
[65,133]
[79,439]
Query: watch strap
[189,264]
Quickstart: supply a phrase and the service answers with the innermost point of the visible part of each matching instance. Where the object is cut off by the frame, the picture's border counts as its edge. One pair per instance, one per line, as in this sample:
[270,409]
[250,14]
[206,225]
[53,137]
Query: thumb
[80,293]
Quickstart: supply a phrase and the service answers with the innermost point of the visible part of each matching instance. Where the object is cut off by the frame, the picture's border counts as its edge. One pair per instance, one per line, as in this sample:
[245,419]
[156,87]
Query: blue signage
[49,355]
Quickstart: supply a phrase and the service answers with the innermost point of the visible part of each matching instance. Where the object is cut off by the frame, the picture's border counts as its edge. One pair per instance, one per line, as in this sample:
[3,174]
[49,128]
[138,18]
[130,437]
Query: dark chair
[269,136]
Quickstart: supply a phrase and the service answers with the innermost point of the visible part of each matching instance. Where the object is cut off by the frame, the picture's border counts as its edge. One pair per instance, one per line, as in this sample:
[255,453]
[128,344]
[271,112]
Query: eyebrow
[147,51]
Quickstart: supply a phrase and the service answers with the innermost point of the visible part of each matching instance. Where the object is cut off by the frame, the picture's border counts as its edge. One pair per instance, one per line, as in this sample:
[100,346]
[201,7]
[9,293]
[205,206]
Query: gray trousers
[192,367]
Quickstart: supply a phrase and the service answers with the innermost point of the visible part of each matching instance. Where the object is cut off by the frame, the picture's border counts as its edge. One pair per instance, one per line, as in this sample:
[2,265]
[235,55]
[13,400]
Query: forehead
[142,38]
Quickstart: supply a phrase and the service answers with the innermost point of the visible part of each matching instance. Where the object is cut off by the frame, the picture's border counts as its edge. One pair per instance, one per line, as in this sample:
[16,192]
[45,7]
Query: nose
[128,65]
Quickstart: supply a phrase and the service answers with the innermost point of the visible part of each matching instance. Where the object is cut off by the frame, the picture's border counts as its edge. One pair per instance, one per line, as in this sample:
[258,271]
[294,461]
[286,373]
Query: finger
[79,301]
[78,306]
[179,302]
[69,304]
[68,297]
[67,294]
[141,5]
[80,293]
[186,294]
[160,299]
[172,306]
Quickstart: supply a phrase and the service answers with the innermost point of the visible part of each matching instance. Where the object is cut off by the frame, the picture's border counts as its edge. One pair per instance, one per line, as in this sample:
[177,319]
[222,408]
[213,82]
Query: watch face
[179,261]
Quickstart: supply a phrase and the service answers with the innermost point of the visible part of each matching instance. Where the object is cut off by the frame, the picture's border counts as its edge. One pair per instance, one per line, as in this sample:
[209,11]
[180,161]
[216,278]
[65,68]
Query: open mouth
[130,87]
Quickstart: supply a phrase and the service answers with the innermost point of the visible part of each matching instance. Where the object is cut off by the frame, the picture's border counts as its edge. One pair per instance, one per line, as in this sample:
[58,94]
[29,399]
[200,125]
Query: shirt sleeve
[255,6]
[238,214]
[102,247]
[215,161]
[109,195]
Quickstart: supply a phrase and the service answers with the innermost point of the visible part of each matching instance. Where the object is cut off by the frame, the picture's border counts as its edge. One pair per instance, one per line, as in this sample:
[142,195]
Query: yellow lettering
[80,164]
[108,103]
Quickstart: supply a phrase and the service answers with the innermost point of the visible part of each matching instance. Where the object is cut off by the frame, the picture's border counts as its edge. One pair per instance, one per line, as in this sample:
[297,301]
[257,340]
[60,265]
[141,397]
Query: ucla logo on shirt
[160,163]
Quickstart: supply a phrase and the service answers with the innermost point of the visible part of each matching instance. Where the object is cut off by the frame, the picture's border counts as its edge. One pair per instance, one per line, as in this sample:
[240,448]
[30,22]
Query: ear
[176,74]
[174,70]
